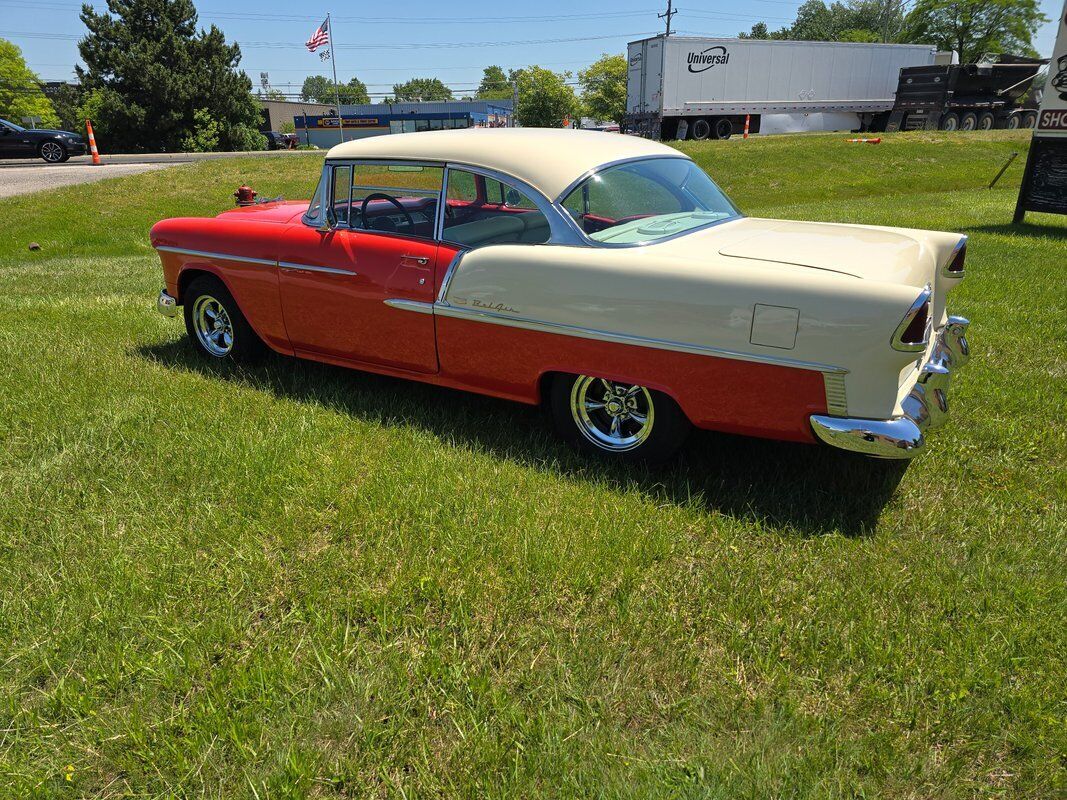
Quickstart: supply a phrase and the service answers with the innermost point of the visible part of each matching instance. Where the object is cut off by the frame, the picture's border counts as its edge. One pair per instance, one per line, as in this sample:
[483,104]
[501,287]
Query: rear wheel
[618,421]
[969,121]
[723,128]
[949,121]
[215,324]
[701,129]
[1014,122]
[1030,119]
[986,121]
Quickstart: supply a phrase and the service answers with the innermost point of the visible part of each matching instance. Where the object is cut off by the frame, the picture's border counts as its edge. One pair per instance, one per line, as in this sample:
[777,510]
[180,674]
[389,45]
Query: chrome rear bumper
[925,407]
[166,304]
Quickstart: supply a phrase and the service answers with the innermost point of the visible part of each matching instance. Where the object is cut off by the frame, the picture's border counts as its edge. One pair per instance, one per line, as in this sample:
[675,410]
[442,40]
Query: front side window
[481,211]
[641,201]
[395,198]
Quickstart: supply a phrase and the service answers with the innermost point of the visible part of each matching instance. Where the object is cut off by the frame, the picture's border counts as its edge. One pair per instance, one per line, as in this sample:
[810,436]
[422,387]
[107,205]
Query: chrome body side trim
[289,265]
[960,245]
[417,306]
[836,398]
[916,307]
[442,295]
[925,407]
[166,304]
[223,256]
[445,309]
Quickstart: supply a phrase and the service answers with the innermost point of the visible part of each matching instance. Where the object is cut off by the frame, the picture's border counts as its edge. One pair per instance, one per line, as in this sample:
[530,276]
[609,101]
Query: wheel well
[187,276]
[544,384]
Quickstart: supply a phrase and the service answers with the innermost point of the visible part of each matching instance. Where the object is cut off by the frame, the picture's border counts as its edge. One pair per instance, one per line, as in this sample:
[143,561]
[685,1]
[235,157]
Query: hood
[51,132]
[857,250]
[281,211]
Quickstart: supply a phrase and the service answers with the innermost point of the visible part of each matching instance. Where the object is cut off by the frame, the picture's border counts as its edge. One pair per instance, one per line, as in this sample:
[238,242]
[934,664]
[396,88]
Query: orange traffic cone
[748,118]
[876,140]
[92,143]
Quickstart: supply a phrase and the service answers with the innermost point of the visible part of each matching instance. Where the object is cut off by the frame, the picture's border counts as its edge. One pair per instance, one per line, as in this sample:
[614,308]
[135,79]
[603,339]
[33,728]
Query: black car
[281,141]
[55,147]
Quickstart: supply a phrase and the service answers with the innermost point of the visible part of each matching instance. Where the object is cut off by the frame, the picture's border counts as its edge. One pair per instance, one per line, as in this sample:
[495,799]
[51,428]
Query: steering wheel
[381,196]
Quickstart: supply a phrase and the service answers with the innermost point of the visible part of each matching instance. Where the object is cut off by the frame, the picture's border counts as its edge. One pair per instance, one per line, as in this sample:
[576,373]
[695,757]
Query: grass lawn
[300,581]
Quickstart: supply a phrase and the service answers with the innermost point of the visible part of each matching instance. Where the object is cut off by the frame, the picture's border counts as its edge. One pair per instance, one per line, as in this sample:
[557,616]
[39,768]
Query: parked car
[606,277]
[281,141]
[55,147]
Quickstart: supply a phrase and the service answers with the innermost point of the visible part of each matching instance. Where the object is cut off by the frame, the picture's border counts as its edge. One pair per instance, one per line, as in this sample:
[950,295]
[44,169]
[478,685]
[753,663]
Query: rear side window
[481,211]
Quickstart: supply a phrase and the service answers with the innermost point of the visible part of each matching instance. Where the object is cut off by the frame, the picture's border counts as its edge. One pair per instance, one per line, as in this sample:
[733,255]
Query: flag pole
[336,88]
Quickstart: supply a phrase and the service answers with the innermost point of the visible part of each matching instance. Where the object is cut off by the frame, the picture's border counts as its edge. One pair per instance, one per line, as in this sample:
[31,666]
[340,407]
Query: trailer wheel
[986,121]
[1030,119]
[969,121]
[950,121]
[1014,122]
[723,128]
[701,129]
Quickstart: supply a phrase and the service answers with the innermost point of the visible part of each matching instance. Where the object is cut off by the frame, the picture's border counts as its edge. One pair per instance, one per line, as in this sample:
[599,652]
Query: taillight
[954,267]
[911,334]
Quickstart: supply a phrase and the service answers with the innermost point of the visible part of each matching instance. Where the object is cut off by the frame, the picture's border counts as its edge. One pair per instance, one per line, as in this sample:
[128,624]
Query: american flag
[319,37]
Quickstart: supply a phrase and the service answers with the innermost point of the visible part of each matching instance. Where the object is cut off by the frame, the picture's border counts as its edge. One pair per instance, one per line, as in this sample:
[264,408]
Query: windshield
[12,125]
[641,201]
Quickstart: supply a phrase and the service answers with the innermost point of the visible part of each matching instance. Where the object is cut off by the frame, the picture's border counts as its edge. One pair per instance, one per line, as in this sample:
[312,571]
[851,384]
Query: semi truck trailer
[682,87]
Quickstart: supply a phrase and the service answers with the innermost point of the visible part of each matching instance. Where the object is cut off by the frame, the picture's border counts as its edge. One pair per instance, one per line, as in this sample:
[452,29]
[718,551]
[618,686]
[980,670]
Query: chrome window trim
[560,230]
[223,256]
[960,245]
[447,310]
[292,265]
[442,294]
[916,306]
[590,242]
[306,218]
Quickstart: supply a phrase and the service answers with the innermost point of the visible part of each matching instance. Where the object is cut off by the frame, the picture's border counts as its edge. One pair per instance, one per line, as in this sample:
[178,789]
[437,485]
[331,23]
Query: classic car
[604,276]
[55,147]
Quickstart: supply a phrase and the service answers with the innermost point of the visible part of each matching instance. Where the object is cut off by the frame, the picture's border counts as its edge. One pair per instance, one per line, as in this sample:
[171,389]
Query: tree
[149,72]
[855,21]
[974,27]
[421,89]
[319,89]
[604,88]
[495,84]
[20,89]
[66,97]
[759,31]
[545,99]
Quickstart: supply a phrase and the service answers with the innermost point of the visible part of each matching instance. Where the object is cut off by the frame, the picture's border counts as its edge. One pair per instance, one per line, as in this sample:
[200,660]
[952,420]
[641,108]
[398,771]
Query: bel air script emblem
[476,303]
[706,59]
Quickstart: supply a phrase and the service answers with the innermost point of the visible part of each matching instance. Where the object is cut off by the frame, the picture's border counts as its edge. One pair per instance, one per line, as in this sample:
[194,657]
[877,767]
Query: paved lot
[23,176]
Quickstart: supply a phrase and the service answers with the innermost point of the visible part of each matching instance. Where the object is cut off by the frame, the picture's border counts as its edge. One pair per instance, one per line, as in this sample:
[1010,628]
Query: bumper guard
[925,407]
[166,304]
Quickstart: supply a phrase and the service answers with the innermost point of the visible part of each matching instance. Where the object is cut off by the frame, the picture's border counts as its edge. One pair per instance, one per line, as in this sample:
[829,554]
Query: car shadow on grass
[799,489]
[1031,230]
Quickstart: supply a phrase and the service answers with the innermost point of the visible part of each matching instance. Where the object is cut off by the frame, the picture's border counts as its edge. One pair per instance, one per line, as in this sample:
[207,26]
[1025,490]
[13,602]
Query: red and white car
[605,276]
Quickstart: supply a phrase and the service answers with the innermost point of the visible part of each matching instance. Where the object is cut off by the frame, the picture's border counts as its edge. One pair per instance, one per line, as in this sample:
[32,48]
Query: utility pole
[514,103]
[668,15]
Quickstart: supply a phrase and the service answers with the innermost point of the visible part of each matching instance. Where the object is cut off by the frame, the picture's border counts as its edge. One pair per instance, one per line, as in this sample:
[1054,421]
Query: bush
[204,137]
[245,137]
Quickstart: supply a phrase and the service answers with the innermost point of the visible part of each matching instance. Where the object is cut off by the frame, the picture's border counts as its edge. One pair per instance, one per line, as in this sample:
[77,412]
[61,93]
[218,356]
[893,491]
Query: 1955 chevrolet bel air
[604,276]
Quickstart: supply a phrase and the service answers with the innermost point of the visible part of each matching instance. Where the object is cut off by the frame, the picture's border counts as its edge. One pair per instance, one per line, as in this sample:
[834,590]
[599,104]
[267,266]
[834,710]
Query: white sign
[1052,120]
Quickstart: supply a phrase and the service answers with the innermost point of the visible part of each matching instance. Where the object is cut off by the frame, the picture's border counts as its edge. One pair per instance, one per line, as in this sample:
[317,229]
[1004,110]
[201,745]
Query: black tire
[53,152]
[724,128]
[701,129]
[664,431]
[1030,119]
[986,121]
[969,121]
[233,338]
[1014,122]
[949,122]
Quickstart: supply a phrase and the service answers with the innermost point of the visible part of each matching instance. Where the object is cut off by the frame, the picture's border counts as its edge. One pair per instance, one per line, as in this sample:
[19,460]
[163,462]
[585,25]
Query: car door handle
[422,261]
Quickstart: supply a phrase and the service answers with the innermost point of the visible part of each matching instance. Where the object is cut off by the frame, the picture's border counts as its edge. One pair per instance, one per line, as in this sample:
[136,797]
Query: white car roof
[549,159]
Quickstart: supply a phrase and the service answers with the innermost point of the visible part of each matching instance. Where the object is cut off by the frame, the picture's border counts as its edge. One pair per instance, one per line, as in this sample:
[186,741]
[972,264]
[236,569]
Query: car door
[343,289]
[14,143]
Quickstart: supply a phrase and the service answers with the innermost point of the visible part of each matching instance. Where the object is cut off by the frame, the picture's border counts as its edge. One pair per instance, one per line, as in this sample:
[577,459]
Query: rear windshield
[641,201]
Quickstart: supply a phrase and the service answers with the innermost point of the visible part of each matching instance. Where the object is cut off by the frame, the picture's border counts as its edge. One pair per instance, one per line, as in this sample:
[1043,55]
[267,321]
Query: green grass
[299,581]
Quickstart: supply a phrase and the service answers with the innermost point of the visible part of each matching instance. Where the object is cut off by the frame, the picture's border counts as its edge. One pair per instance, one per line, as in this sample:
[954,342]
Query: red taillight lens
[956,264]
[915,333]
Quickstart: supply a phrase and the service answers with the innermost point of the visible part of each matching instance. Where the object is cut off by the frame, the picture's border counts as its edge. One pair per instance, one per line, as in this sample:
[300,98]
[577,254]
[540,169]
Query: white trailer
[696,88]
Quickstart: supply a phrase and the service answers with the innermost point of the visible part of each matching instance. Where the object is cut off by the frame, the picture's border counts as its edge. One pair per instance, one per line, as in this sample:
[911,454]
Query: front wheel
[53,152]
[617,420]
[215,324]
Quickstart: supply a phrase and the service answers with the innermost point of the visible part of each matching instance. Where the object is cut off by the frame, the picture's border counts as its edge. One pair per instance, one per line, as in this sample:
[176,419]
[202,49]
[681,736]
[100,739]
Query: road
[24,176]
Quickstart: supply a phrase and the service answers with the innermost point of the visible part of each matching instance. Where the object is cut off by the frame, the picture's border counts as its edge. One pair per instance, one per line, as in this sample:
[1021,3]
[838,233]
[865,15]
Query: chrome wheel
[614,416]
[52,152]
[213,327]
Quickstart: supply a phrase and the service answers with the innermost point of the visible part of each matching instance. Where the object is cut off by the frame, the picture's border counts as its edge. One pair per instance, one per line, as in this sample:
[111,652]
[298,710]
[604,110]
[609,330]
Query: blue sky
[385,43]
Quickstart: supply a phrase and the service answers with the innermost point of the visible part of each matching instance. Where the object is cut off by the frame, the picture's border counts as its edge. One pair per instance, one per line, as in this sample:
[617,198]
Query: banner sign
[350,122]
[1044,186]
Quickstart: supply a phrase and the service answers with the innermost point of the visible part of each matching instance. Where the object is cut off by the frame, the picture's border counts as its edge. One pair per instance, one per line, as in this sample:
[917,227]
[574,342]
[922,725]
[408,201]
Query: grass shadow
[1030,230]
[797,488]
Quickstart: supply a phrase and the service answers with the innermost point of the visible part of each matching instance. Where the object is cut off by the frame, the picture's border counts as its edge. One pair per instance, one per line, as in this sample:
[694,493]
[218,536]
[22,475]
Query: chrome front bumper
[925,407]
[166,304]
